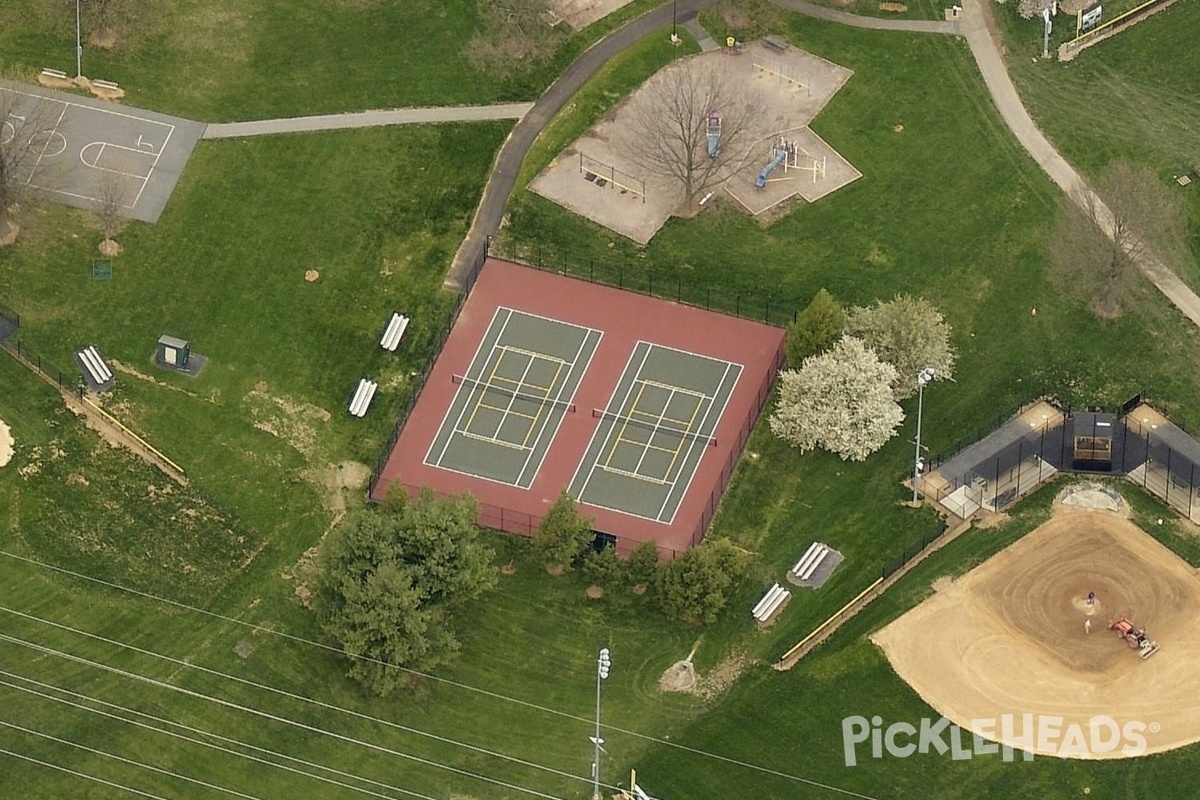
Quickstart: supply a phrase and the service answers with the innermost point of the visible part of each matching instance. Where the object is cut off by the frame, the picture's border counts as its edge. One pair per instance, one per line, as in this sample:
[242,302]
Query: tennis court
[512,399]
[654,432]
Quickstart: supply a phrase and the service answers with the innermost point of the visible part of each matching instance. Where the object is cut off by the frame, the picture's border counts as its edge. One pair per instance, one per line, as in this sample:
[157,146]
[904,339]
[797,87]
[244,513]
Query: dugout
[1092,441]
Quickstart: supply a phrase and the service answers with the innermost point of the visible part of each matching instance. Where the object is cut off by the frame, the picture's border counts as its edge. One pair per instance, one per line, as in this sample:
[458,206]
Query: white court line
[571,399]
[696,468]
[46,146]
[463,385]
[68,104]
[624,400]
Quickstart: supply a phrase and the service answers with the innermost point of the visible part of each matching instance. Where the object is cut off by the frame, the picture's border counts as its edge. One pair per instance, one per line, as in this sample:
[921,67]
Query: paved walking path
[367,119]
[870,23]
[512,153]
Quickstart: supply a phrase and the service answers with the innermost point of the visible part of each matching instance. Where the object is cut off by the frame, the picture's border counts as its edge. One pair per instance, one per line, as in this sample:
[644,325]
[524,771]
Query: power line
[448,682]
[257,712]
[293,696]
[210,734]
[130,761]
[77,774]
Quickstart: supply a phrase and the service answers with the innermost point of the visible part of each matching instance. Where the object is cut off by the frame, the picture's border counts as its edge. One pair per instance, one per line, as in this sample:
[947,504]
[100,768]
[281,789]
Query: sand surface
[1009,637]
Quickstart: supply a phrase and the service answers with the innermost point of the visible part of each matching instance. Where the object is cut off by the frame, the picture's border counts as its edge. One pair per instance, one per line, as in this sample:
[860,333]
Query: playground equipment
[601,174]
[781,71]
[713,132]
[792,156]
[1135,637]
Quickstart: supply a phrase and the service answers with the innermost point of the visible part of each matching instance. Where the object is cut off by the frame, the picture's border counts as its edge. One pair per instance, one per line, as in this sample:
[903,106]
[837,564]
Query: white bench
[394,332]
[361,400]
[808,571]
[812,559]
[96,369]
[105,85]
[55,73]
[770,603]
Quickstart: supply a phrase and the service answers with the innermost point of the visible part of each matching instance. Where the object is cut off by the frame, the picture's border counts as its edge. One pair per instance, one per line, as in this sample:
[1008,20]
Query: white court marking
[142,150]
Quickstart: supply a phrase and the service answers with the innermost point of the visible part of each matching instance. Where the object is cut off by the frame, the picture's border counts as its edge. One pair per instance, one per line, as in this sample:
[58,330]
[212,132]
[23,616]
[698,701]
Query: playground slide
[714,143]
[775,161]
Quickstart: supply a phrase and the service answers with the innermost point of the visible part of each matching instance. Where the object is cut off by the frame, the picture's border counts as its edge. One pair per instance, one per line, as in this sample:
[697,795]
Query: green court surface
[513,397]
[655,431]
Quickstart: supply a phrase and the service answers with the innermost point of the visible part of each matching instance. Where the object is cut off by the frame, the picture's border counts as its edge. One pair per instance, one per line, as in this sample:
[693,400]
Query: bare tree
[1103,238]
[113,191]
[25,128]
[104,15]
[512,32]
[668,131]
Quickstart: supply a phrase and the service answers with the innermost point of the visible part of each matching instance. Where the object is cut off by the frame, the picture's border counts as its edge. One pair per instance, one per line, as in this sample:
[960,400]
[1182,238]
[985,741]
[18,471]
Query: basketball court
[88,149]
[638,407]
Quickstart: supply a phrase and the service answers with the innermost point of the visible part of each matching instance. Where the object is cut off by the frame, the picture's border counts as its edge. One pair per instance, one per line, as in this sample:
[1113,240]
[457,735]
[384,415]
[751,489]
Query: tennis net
[665,426]
[541,400]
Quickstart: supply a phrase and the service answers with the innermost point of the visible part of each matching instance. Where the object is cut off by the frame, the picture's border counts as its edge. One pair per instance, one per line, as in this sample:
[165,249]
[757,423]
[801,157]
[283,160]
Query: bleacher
[394,332]
[96,373]
[771,604]
[360,401]
[808,563]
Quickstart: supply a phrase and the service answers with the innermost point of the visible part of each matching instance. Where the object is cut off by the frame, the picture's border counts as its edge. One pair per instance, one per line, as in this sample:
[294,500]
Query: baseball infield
[1016,636]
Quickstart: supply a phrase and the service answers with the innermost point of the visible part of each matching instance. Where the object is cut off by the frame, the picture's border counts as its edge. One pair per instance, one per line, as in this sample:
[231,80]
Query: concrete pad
[89,142]
[794,86]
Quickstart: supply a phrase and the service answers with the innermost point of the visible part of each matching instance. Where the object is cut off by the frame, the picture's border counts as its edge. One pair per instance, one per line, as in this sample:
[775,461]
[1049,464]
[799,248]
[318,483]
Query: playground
[1018,634]
[598,178]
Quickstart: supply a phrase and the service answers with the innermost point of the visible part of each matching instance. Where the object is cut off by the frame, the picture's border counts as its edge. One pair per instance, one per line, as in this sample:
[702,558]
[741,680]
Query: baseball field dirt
[1011,638]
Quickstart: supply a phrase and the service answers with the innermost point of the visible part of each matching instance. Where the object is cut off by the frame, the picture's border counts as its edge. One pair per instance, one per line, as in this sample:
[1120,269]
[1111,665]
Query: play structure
[606,175]
[712,130]
[1135,637]
[793,157]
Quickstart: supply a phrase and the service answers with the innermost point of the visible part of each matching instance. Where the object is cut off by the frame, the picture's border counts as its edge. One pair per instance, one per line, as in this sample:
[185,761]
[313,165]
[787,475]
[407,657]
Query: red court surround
[625,318]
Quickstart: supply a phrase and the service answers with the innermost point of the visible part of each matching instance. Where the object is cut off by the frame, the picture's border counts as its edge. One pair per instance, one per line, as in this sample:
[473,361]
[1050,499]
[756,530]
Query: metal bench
[770,603]
[95,370]
[55,73]
[361,400]
[112,87]
[394,332]
[775,43]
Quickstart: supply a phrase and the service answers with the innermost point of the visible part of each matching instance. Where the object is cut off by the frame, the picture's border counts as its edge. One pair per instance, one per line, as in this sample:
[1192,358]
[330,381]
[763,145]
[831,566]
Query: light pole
[78,43]
[602,665]
[923,377]
[674,35]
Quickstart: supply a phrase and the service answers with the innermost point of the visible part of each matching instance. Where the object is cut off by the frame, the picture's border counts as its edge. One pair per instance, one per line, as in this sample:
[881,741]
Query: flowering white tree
[910,334]
[840,400]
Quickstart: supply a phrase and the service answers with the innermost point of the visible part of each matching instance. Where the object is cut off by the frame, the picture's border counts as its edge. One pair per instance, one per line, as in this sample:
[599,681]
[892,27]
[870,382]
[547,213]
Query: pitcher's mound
[679,677]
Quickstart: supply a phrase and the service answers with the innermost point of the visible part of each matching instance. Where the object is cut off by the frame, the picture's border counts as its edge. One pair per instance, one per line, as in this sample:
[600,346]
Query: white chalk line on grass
[209,734]
[256,712]
[448,682]
[129,761]
[78,774]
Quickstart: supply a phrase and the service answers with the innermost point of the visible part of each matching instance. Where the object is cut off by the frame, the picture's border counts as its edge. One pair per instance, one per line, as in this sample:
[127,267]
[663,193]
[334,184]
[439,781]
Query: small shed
[173,352]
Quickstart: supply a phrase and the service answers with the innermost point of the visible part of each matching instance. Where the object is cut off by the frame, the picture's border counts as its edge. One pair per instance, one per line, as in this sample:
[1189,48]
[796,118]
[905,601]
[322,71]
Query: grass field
[379,214]
[1116,101]
[257,59]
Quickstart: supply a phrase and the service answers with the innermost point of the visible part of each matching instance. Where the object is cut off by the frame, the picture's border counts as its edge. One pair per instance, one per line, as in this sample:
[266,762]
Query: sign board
[1090,17]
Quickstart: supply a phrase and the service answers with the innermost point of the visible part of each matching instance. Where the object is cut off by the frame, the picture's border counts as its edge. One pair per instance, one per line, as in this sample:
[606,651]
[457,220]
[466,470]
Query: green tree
[389,579]
[564,535]
[603,567]
[816,328]
[642,567]
[696,586]
[910,334]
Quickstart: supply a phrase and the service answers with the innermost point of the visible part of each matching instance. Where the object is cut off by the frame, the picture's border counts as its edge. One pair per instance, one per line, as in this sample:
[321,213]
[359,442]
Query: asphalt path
[516,146]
